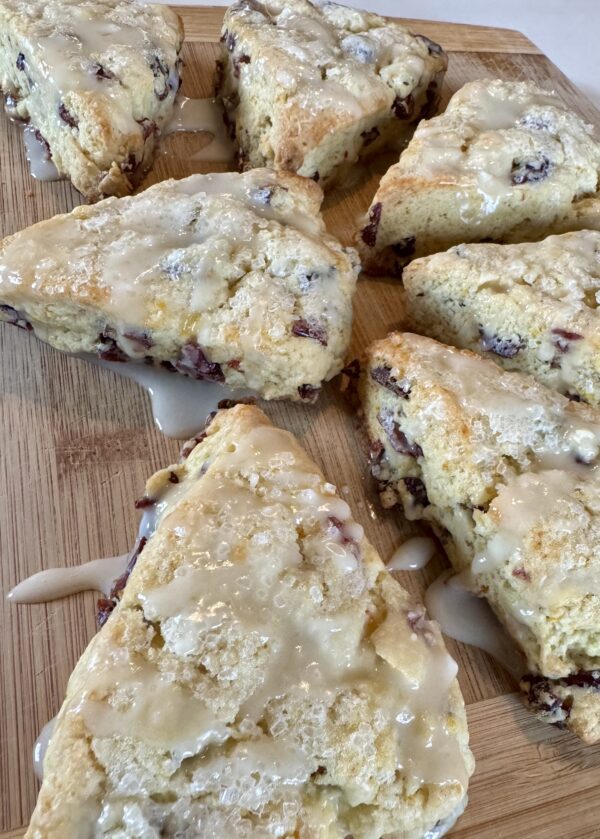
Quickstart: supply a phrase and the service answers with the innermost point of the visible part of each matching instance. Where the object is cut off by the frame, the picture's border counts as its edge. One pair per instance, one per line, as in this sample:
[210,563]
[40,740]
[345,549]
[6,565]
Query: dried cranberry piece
[398,439]
[504,347]
[309,329]
[173,478]
[168,366]
[432,47]
[561,338]
[530,171]
[522,574]
[241,59]
[316,177]
[339,528]
[101,72]
[15,318]
[376,451]
[67,116]
[148,126]
[404,108]
[370,136]
[45,144]
[383,376]
[10,315]
[130,164]
[141,338]
[144,502]
[405,247]
[263,194]
[191,444]
[110,350]
[228,38]
[21,62]
[369,233]
[235,364]
[105,608]
[160,71]
[416,488]
[309,393]
[193,362]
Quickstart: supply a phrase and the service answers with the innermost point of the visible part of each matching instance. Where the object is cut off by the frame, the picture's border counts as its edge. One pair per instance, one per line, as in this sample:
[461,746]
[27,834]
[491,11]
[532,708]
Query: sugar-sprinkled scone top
[96,79]
[263,674]
[506,161]
[508,472]
[532,307]
[226,277]
[310,86]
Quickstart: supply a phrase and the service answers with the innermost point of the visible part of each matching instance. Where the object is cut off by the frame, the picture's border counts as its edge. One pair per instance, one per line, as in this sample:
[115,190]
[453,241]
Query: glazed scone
[508,473]
[309,87]
[506,162]
[96,80]
[531,307]
[226,277]
[262,675]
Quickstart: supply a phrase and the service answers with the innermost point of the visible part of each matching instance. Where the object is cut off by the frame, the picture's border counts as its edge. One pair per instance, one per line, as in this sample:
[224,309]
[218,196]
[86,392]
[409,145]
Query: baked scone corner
[508,474]
[262,673]
[311,87]
[227,277]
[506,162]
[530,307]
[96,81]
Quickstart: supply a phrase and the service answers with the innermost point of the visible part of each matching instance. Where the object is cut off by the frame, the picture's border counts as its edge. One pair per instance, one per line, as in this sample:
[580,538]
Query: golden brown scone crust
[228,277]
[505,162]
[97,80]
[310,87]
[507,473]
[530,307]
[256,563]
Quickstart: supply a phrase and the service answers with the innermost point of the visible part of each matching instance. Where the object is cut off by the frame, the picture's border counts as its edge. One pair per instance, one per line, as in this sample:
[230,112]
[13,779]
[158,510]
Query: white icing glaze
[469,619]
[476,147]
[41,747]
[97,575]
[237,569]
[204,115]
[40,163]
[179,404]
[412,555]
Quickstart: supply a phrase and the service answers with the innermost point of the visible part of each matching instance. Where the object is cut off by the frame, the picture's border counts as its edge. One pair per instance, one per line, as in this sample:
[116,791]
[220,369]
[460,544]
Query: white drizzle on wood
[202,115]
[40,162]
[52,583]
[180,405]
[41,747]
[412,555]
[468,618]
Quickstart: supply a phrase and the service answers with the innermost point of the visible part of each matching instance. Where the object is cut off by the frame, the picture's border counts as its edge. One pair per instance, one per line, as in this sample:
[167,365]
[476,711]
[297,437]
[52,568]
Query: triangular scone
[96,80]
[227,277]
[532,307]
[507,472]
[506,161]
[262,675]
[310,87]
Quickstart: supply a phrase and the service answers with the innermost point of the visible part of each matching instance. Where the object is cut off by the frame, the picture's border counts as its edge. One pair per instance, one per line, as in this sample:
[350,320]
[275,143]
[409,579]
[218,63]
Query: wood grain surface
[78,444]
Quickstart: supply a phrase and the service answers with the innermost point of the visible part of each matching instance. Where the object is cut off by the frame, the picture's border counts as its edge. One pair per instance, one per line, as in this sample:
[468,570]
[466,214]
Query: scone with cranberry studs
[262,674]
[531,307]
[311,87]
[228,277]
[97,82]
[508,473]
[506,162]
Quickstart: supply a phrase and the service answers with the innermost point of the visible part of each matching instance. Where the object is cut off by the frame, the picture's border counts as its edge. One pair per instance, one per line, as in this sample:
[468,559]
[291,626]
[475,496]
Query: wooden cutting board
[78,442]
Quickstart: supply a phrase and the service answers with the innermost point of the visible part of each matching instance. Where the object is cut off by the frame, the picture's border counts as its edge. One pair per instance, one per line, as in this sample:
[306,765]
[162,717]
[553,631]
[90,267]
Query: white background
[568,31]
